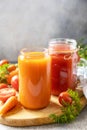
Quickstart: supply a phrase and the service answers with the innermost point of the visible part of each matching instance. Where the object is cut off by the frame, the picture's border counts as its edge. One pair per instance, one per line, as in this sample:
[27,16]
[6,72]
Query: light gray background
[29,23]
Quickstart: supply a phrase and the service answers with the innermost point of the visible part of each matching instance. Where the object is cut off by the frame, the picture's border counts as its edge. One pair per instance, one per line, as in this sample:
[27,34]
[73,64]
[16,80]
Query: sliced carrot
[8,105]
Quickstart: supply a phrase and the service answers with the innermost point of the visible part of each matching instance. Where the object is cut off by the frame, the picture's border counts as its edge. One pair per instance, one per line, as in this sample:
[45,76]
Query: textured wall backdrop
[29,23]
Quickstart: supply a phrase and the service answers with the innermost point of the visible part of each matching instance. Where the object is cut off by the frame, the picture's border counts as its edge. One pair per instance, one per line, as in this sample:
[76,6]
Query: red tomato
[4,61]
[15,82]
[64,98]
[5,93]
[3,85]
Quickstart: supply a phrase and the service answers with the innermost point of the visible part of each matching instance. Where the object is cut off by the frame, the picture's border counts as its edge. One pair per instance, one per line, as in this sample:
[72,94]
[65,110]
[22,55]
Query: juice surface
[34,80]
[63,69]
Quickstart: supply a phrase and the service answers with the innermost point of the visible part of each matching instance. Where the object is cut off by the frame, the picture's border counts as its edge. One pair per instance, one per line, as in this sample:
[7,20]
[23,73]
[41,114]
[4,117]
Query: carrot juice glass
[34,78]
[64,59]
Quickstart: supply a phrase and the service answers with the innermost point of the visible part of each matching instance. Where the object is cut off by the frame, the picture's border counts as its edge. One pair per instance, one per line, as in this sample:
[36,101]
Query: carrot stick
[9,104]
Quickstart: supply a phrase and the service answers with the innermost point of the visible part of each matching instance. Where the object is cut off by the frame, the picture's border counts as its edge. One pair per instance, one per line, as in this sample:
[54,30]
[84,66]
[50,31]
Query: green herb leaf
[3,72]
[70,112]
[83,48]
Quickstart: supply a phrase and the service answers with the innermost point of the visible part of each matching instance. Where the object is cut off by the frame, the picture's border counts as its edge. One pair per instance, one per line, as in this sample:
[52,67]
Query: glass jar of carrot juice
[34,78]
[64,59]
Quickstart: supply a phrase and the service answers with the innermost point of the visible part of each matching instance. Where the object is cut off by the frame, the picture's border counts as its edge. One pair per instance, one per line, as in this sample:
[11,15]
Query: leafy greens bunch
[70,111]
[83,48]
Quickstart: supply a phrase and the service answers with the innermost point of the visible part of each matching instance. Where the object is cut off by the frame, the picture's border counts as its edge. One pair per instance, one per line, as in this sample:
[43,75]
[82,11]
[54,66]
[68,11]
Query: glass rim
[35,49]
[66,40]
[30,53]
[60,41]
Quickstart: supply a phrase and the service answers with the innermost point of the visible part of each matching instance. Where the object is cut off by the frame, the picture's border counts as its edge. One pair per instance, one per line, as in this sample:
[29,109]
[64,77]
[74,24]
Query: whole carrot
[8,105]
[11,67]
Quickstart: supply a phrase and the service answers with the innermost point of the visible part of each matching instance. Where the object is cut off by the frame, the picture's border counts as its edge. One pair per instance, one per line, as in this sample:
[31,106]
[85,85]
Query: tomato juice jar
[34,78]
[64,59]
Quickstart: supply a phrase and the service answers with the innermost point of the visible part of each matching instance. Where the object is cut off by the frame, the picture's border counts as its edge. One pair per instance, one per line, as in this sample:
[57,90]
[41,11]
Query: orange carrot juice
[34,79]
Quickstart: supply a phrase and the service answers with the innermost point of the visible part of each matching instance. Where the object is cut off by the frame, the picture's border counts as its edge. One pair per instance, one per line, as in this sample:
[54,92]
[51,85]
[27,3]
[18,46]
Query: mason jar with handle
[64,59]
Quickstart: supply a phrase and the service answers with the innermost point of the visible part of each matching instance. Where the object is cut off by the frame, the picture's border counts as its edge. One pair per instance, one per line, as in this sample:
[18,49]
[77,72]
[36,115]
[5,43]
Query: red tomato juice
[63,68]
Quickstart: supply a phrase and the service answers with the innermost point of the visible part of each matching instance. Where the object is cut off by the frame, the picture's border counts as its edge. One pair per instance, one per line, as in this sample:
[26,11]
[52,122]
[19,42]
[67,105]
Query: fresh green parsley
[70,112]
[3,72]
[83,48]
